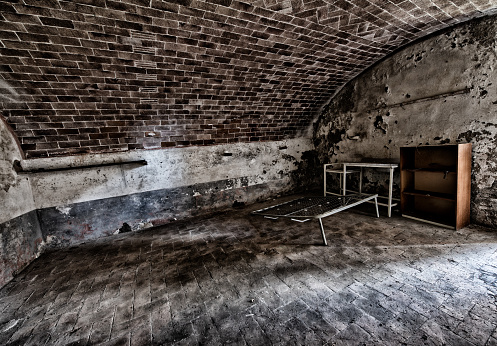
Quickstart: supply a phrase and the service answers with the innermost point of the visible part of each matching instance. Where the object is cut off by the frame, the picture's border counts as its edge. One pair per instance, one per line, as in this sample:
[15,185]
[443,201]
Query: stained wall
[56,202]
[440,90]
[20,234]
[86,203]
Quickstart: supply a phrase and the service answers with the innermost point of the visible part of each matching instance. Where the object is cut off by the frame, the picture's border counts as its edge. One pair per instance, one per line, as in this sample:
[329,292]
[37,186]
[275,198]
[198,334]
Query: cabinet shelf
[431,194]
[430,170]
[433,218]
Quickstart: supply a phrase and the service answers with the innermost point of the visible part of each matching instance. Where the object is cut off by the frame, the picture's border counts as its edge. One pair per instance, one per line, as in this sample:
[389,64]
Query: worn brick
[14,52]
[57,22]
[4,7]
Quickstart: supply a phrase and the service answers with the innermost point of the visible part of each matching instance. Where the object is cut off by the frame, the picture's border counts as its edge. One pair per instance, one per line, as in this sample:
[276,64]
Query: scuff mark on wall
[380,125]
[64,210]
[308,174]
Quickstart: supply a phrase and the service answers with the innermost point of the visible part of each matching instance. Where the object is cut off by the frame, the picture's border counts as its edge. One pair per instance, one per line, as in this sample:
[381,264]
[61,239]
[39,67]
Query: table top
[370,164]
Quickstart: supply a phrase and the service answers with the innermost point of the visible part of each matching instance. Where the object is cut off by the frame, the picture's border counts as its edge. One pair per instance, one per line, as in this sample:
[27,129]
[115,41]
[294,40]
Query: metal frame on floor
[306,208]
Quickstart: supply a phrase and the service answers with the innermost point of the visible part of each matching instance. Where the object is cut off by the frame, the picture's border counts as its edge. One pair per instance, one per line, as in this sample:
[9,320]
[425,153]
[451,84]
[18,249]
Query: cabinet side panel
[406,179]
[463,185]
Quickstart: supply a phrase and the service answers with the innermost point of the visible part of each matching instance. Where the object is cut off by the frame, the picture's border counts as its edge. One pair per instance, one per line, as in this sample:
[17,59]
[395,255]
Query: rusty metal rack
[307,208]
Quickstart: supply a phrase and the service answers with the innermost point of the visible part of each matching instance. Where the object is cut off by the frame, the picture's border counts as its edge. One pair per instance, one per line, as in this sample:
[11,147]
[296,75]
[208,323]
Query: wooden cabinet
[435,184]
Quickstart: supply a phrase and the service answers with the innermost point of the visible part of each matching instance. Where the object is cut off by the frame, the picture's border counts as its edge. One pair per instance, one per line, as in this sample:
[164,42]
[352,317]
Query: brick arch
[122,75]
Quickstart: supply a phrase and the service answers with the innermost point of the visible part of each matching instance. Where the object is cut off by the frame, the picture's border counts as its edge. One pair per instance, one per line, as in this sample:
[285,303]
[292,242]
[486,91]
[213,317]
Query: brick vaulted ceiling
[85,76]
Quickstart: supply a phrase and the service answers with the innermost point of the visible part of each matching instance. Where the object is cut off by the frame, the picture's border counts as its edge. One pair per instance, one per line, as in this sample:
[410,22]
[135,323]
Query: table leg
[324,180]
[390,193]
[360,181]
[376,204]
[344,186]
[322,231]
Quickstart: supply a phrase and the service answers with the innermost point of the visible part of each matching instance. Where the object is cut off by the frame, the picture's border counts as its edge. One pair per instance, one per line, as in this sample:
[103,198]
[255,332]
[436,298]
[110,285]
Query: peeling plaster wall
[80,204]
[441,90]
[20,235]
[168,168]
[55,208]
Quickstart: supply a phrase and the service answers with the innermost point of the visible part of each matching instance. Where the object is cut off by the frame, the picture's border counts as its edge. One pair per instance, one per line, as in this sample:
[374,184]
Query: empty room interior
[257,172]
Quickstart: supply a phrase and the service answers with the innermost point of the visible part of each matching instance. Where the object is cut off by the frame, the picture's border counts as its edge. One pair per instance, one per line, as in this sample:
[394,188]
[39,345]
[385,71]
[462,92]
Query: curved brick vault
[93,76]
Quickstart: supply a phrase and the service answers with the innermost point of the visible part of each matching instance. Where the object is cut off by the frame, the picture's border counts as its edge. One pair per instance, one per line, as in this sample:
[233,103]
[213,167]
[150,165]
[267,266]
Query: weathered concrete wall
[20,234]
[63,207]
[440,90]
[80,204]
[13,188]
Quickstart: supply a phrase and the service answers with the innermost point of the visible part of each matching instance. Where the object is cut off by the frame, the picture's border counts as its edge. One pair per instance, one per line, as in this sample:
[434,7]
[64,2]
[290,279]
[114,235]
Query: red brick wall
[93,76]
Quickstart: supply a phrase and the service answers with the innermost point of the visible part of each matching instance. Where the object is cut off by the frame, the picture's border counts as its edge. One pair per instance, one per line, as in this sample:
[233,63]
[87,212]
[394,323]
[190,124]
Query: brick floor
[240,279]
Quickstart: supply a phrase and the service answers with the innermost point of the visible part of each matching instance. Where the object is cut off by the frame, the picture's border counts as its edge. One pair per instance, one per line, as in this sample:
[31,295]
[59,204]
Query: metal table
[343,180]
[306,208]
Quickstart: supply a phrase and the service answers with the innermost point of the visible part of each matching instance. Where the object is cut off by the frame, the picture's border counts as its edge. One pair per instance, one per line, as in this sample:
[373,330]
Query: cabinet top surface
[437,145]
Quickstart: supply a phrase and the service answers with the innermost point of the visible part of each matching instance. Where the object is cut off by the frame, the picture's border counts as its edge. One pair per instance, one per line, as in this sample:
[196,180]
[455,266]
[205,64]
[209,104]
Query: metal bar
[424,99]
[301,221]
[322,232]
[337,210]
[376,204]
[379,197]
[341,195]
[393,199]
[372,164]
[386,204]
[285,215]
